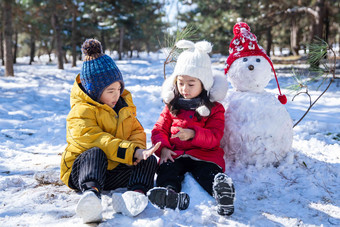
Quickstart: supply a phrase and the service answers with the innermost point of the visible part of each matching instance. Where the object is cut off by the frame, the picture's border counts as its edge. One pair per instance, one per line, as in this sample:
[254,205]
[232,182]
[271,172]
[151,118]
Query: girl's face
[111,94]
[189,87]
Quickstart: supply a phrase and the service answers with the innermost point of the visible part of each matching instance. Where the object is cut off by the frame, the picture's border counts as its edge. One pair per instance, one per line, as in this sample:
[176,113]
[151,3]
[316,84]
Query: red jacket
[208,134]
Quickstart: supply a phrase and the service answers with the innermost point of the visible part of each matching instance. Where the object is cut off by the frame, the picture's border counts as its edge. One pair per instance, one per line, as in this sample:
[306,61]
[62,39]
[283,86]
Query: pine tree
[8,31]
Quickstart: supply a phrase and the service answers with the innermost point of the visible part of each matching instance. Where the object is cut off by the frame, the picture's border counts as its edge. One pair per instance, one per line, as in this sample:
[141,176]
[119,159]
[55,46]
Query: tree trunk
[15,51]
[57,35]
[49,56]
[74,37]
[121,42]
[32,46]
[102,40]
[339,42]
[269,40]
[147,48]
[2,48]
[273,47]
[9,71]
[326,23]
[318,27]
[49,50]
[294,39]
[318,23]
[65,57]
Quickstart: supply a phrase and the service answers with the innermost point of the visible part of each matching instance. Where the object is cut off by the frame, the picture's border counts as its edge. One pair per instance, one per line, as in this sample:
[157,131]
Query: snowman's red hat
[245,44]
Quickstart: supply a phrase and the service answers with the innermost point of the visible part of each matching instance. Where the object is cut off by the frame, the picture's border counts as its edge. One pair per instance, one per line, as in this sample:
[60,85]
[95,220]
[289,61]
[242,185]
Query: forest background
[57,28]
[41,53]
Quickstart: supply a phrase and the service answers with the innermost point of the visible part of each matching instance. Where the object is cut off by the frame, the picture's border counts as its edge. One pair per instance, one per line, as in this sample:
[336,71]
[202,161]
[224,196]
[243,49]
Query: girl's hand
[184,134]
[166,154]
[142,154]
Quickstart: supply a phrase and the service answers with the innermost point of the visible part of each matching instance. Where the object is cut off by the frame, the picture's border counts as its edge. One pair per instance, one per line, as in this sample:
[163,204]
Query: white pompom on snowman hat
[195,62]
[245,44]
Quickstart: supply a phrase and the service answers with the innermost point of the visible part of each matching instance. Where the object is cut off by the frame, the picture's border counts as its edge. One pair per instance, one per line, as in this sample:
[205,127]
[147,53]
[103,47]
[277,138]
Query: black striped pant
[90,169]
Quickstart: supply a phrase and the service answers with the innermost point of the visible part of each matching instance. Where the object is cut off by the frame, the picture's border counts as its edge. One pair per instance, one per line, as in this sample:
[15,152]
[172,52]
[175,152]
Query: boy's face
[111,94]
[189,87]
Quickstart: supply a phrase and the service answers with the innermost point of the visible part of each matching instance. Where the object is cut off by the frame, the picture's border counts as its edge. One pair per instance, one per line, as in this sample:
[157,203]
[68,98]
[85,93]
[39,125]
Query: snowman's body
[258,128]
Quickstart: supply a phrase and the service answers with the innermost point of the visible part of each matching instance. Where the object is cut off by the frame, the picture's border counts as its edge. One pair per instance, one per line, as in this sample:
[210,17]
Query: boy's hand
[166,154]
[142,154]
[184,134]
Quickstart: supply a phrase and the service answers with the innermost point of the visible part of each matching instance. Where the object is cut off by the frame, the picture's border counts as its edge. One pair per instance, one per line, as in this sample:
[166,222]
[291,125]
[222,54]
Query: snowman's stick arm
[306,92]
[311,105]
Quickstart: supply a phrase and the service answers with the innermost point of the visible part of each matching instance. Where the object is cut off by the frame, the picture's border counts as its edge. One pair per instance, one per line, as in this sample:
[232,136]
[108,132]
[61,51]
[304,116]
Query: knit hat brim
[99,73]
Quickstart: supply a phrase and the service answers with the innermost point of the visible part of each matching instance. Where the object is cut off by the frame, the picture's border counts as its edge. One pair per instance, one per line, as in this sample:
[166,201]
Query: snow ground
[302,191]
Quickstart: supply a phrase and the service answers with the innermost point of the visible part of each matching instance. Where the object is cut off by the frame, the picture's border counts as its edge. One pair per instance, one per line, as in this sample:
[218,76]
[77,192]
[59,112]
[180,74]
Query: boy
[106,142]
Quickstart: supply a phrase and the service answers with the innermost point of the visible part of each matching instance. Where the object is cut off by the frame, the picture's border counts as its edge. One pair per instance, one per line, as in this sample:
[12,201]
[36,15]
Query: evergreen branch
[297,77]
[319,52]
[295,87]
[186,33]
[168,60]
[323,81]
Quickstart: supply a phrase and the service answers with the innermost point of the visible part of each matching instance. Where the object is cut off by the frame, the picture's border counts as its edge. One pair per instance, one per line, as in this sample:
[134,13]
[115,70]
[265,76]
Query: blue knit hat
[98,70]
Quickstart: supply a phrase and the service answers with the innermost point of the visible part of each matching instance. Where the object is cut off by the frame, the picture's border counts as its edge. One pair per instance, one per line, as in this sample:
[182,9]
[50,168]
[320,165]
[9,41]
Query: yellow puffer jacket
[91,124]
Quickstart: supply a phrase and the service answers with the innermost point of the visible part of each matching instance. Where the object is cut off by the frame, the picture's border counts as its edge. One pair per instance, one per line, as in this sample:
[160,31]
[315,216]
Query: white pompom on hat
[195,62]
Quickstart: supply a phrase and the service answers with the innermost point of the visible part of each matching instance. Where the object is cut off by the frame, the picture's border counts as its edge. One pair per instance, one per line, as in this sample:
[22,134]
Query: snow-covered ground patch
[302,191]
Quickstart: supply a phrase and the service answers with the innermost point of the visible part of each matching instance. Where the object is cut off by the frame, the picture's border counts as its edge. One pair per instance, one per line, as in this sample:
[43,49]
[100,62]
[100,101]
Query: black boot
[168,198]
[224,193]
[91,186]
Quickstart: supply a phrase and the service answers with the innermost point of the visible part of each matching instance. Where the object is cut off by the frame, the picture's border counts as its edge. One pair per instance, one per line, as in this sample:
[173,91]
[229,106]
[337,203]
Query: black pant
[171,174]
[90,169]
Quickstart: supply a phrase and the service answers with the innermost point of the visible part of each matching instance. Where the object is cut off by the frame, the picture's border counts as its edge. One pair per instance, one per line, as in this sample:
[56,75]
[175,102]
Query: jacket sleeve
[138,136]
[210,135]
[161,132]
[85,133]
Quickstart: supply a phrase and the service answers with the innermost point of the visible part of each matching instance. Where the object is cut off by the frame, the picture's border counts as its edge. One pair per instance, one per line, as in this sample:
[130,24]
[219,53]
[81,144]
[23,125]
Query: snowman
[258,128]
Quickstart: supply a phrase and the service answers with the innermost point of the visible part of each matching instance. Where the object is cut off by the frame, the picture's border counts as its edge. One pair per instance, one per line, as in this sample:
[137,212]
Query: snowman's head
[251,73]
[248,66]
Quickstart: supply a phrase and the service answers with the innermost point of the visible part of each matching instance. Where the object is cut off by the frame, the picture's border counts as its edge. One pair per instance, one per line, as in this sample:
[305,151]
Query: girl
[190,129]
[106,142]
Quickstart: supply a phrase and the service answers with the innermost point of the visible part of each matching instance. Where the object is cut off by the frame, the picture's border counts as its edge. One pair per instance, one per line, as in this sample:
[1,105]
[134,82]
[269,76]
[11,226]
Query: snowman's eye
[258,60]
[245,59]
